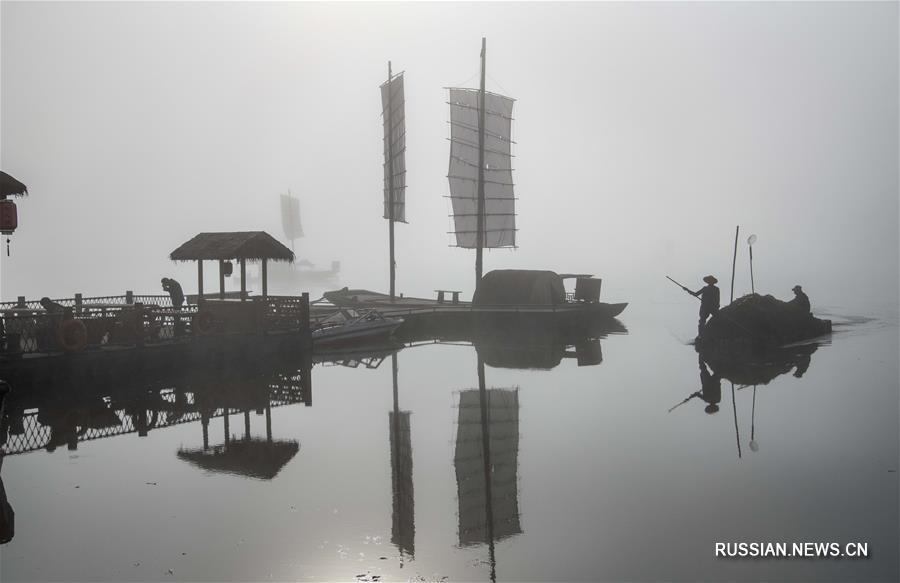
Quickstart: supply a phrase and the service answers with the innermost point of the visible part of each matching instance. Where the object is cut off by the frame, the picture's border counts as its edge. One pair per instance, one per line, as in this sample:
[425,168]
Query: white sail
[290,217]
[499,200]
[393,111]
[503,447]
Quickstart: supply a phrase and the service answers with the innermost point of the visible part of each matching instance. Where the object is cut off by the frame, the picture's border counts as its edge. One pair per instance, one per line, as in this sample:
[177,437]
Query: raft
[759,319]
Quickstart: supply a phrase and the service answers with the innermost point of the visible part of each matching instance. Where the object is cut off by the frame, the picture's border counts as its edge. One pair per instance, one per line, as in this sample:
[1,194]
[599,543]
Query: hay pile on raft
[764,319]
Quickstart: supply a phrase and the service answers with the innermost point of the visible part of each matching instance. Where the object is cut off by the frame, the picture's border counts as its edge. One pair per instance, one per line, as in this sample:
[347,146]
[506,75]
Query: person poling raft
[760,319]
[709,300]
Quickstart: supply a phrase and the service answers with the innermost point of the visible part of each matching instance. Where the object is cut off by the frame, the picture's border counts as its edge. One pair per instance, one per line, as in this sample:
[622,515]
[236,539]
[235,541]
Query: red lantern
[8,217]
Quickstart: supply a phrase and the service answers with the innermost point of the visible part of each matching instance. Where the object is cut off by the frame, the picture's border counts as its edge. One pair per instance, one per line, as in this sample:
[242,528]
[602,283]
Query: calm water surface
[593,478]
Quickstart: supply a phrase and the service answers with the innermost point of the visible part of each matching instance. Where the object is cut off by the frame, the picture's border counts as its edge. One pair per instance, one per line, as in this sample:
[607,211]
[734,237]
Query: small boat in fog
[352,328]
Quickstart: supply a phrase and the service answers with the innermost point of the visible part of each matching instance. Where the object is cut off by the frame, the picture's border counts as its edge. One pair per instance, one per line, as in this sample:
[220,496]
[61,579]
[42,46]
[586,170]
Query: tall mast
[391,178]
[480,212]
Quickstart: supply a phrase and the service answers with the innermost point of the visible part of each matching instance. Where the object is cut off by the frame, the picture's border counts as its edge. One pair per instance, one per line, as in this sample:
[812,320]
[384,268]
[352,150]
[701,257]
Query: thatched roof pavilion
[248,245]
[9,186]
[242,246]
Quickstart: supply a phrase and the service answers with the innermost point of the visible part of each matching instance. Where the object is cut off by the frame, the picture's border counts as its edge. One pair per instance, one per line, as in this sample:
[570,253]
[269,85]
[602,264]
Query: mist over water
[644,133]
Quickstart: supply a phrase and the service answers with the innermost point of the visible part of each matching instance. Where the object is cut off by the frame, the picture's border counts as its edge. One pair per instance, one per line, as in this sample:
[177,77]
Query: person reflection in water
[711,387]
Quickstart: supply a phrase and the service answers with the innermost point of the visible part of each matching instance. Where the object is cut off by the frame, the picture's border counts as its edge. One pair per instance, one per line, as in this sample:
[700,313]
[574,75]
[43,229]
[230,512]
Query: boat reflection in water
[487,432]
[745,369]
[487,464]
[537,346]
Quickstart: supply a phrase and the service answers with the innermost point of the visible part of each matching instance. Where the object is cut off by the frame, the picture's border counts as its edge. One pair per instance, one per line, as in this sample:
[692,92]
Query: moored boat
[348,327]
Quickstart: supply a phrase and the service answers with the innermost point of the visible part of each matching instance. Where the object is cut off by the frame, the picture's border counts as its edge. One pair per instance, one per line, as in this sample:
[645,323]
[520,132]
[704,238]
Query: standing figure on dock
[47,331]
[801,300]
[709,301]
[174,290]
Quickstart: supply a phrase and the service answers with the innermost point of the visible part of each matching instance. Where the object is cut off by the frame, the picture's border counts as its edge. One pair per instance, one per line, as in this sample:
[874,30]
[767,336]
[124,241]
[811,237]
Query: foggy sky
[645,133]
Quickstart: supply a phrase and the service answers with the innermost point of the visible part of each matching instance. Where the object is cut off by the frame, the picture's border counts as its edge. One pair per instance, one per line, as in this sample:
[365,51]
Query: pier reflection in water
[542,470]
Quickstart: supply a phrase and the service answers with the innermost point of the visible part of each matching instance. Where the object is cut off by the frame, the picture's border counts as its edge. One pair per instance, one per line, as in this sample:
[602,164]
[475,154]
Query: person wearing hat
[801,300]
[709,301]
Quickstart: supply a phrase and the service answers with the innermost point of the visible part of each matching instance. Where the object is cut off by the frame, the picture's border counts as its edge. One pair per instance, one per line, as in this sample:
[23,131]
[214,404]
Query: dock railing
[133,320]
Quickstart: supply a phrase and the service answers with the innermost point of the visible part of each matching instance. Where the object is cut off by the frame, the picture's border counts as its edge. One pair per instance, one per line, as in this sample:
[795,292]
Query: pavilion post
[221,279]
[243,279]
[225,423]
[199,280]
[265,277]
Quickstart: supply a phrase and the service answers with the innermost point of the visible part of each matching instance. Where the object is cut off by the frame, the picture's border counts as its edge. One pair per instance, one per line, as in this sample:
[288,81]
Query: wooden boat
[483,201]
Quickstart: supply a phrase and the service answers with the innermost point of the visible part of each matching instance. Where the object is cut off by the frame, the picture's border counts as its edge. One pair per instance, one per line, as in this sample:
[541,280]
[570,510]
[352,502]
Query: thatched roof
[250,245]
[253,458]
[9,186]
[519,287]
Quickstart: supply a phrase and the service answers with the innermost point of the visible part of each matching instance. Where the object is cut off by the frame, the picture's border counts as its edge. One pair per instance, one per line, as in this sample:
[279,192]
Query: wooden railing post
[139,322]
[129,297]
[20,302]
[78,303]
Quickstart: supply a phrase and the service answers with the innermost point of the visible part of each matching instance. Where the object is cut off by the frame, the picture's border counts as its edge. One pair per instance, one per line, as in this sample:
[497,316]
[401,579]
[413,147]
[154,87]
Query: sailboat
[480,173]
[484,215]
[290,277]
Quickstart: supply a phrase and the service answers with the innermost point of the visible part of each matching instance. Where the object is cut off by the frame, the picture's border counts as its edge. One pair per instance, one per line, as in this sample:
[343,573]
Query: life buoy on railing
[202,322]
[72,335]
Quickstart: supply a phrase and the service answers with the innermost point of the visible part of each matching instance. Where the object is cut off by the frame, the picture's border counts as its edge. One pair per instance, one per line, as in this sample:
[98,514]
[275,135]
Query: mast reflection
[403,526]
[486,463]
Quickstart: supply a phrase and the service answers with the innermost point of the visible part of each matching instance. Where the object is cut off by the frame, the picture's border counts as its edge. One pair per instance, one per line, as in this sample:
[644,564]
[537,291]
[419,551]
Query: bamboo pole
[734,261]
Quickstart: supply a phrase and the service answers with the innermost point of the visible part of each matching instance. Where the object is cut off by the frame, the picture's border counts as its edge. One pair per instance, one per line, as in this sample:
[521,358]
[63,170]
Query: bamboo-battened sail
[468,459]
[499,200]
[290,217]
[403,526]
[393,111]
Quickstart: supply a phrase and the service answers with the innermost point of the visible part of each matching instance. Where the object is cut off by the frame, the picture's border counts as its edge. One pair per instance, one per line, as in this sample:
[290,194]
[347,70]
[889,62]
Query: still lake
[594,479]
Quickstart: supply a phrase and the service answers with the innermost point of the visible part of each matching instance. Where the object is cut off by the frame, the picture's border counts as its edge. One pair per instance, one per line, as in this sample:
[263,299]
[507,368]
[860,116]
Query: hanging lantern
[8,217]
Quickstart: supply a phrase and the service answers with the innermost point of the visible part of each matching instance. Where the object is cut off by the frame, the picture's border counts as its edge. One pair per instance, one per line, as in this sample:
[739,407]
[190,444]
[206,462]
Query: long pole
[734,261]
[752,285]
[480,225]
[390,163]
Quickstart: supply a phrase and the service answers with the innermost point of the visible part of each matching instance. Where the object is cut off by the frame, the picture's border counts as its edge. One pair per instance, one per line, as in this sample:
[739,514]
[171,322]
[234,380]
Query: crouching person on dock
[709,301]
[177,295]
[173,288]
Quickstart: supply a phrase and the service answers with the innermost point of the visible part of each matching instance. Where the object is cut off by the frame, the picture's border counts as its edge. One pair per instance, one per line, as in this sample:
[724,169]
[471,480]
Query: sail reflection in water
[486,461]
[403,525]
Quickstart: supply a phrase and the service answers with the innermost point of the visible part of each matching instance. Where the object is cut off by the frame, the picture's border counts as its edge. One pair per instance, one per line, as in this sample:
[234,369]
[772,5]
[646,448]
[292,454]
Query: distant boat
[292,276]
